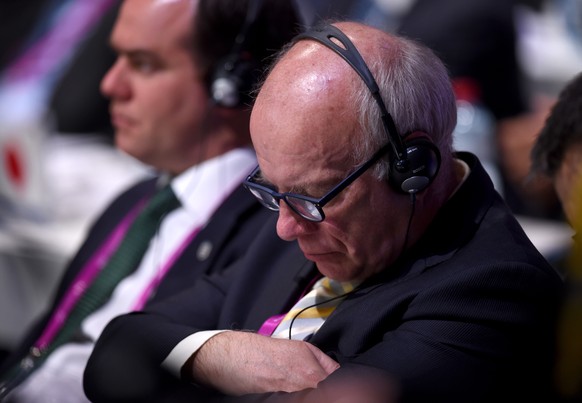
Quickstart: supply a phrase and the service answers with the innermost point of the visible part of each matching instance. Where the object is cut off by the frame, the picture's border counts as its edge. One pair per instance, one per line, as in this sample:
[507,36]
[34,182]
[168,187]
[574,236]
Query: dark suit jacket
[224,239]
[467,315]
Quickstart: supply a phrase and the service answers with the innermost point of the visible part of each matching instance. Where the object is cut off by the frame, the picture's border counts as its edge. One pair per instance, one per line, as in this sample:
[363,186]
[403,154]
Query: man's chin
[125,141]
[331,265]
[322,258]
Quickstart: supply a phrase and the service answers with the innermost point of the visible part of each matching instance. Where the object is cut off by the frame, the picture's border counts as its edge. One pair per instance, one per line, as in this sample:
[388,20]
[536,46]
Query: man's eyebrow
[137,52]
[260,179]
[301,189]
[265,182]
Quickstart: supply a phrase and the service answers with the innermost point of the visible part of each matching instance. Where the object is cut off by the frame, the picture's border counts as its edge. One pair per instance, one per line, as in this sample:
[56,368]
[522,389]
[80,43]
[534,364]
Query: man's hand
[238,363]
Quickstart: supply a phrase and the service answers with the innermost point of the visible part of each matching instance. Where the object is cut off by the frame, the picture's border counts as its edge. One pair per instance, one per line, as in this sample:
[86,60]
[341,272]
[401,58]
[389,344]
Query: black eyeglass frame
[251,185]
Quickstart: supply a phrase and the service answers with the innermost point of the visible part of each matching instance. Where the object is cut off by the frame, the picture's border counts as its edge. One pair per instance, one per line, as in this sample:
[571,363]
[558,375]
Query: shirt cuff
[184,350]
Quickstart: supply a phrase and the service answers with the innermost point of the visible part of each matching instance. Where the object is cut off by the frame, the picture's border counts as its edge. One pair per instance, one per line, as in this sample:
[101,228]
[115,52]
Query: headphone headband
[326,36]
[416,162]
[236,74]
[251,16]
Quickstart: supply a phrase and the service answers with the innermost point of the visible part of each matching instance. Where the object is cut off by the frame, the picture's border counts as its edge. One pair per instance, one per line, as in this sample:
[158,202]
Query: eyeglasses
[307,207]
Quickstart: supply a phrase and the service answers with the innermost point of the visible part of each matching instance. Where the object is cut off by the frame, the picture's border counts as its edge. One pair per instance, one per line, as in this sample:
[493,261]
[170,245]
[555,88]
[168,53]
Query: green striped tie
[121,264]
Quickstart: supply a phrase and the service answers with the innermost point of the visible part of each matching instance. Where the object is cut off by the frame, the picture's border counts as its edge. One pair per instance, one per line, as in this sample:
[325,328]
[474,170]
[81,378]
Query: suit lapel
[219,230]
[287,281]
[210,249]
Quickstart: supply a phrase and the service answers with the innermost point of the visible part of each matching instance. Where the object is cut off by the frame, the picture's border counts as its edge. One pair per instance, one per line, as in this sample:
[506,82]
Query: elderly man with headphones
[406,277]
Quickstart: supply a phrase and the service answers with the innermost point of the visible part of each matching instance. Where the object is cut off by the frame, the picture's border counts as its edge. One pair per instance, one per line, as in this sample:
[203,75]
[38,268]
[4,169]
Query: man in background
[180,94]
[557,156]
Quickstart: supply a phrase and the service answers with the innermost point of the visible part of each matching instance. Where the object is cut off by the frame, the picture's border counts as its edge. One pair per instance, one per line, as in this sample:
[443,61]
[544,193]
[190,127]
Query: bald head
[327,91]
[305,109]
[315,87]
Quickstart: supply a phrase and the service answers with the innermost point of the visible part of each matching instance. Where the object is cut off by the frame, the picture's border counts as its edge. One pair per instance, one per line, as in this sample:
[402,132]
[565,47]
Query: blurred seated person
[557,155]
[194,217]
[412,263]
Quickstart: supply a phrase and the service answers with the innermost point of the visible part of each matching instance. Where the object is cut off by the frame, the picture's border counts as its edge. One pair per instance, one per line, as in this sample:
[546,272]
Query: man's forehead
[308,172]
[190,3]
[302,121]
[309,94]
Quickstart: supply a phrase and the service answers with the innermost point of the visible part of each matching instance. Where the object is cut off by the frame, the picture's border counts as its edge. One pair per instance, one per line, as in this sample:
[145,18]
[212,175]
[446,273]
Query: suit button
[204,250]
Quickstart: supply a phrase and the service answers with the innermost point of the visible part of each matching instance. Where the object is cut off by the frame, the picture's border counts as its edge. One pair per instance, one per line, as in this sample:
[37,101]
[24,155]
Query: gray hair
[417,91]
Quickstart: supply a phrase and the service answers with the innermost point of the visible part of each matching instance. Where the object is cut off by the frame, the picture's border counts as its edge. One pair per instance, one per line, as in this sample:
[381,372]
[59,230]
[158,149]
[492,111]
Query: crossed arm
[257,364]
[429,343]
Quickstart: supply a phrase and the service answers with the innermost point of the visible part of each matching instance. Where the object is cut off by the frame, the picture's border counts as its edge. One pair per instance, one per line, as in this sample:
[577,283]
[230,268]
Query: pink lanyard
[44,55]
[156,281]
[92,269]
[143,299]
[86,277]
[269,326]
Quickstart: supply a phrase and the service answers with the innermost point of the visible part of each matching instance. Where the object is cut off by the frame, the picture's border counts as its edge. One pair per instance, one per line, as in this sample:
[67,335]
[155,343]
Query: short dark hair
[218,22]
[562,129]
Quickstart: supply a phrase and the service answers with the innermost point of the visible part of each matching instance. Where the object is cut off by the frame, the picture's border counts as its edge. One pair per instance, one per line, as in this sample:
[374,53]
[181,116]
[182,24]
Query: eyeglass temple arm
[356,174]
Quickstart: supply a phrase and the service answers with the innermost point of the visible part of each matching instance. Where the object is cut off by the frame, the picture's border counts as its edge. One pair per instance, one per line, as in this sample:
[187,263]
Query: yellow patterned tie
[311,311]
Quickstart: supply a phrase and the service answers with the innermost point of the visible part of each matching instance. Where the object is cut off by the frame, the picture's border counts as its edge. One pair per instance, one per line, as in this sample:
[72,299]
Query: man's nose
[114,84]
[290,225]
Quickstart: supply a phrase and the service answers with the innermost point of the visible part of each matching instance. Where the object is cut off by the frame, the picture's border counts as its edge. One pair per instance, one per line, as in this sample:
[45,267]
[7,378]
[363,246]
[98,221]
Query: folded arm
[237,363]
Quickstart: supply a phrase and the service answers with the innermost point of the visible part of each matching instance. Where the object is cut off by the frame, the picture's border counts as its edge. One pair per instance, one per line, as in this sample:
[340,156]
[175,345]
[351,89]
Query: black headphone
[415,163]
[233,80]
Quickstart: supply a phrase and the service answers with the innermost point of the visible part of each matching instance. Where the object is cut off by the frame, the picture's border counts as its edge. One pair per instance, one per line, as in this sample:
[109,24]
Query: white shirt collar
[203,187]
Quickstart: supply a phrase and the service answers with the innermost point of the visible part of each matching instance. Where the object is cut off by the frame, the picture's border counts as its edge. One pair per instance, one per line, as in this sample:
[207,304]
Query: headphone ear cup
[224,91]
[421,166]
[232,84]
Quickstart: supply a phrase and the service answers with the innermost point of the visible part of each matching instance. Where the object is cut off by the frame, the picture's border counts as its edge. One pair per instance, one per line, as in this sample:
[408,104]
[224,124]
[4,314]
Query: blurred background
[508,60]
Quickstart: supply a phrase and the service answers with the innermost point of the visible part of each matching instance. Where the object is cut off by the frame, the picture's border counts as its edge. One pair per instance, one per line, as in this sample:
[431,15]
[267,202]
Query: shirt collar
[203,187]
